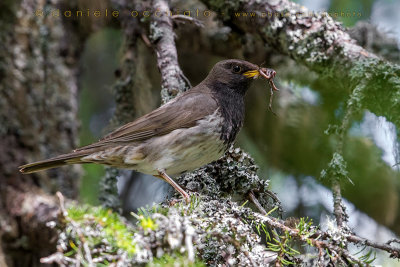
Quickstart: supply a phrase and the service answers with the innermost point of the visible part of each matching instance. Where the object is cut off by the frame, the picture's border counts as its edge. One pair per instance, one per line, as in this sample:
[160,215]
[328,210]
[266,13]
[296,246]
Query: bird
[192,130]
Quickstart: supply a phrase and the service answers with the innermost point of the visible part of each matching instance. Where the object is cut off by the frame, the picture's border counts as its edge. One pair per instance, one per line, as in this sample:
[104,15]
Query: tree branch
[314,39]
[318,236]
[173,80]
[278,224]
[394,252]
[321,44]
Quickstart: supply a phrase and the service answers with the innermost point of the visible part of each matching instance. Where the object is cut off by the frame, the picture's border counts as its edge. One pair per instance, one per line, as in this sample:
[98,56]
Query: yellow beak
[252,74]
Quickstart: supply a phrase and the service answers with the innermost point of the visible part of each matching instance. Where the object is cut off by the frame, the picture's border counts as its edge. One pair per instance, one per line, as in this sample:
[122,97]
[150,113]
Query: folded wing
[182,112]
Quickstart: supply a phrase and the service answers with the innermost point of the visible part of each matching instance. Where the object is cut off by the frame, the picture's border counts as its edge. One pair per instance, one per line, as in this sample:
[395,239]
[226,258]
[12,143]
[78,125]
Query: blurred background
[291,148]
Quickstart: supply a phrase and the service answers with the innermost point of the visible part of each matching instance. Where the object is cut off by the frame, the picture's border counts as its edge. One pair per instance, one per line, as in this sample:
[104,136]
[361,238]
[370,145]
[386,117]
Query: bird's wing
[181,112]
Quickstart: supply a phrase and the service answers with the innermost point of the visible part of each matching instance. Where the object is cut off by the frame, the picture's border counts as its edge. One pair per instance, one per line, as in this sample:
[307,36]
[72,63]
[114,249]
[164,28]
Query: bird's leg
[165,177]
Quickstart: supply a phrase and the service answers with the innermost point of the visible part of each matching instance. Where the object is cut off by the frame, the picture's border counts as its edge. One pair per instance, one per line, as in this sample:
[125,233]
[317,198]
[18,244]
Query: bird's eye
[236,69]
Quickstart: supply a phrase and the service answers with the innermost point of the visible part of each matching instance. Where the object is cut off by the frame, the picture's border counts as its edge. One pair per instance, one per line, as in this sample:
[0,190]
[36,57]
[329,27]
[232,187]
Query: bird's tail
[66,159]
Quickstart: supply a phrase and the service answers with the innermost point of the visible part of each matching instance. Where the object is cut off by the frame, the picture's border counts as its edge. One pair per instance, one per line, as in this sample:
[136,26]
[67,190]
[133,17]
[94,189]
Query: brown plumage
[193,105]
[191,130]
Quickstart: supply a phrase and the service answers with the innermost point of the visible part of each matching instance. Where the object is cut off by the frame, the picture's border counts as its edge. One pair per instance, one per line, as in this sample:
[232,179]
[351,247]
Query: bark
[288,27]
[173,80]
[38,89]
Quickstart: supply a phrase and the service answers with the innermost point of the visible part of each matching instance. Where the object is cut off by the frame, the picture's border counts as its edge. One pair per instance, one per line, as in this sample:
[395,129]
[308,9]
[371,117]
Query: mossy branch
[317,41]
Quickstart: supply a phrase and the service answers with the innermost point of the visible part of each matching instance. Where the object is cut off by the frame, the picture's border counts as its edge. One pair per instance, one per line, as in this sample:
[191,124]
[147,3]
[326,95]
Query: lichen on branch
[162,36]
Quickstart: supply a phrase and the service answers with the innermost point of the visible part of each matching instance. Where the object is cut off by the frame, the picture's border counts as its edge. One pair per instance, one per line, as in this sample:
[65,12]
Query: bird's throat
[232,111]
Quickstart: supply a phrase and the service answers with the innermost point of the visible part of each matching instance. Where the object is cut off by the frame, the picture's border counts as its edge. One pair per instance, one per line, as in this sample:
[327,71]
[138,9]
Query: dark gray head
[229,80]
[232,75]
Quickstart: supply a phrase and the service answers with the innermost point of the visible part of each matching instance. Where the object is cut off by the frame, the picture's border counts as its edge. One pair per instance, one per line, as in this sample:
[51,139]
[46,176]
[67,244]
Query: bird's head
[233,74]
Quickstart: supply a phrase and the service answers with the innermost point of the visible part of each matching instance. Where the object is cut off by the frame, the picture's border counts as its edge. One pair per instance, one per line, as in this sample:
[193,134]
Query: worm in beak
[269,74]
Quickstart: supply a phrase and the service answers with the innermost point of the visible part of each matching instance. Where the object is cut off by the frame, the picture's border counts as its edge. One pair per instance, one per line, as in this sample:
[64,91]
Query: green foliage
[305,226]
[177,261]
[283,246]
[284,243]
[117,234]
[148,224]
[145,220]
[367,258]
[148,211]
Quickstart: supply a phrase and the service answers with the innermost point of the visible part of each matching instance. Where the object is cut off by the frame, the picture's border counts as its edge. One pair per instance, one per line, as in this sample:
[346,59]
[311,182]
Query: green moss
[148,223]
[178,261]
[113,229]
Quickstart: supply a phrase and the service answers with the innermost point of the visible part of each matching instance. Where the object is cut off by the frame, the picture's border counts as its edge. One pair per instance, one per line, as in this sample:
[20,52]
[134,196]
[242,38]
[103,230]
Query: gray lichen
[162,35]
[216,228]
[224,234]
[337,168]
[156,32]
[233,175]
[217,232]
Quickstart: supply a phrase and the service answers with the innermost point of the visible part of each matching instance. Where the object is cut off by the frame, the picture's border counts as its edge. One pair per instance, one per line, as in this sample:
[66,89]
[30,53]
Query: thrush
[192,130]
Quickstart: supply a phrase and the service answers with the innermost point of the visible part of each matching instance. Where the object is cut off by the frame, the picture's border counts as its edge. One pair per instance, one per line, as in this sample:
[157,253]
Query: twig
[321,257]
[278,224]
[277,201]
[184,18]
[58,258]
[393,240]
[394,252]
[281,32]
[77,229]
[62,203]
[189,233]
[146,40]
[275,223]
[338,206]
[257,203]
